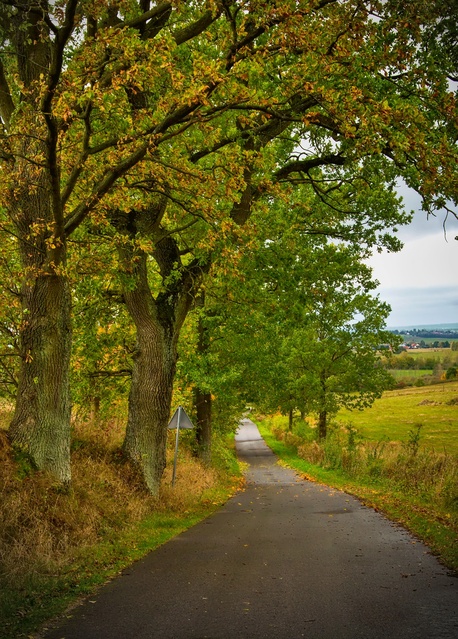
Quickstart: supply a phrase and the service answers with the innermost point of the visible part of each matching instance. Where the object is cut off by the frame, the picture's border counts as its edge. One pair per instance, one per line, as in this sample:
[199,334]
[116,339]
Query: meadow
[397,412]
[414,375]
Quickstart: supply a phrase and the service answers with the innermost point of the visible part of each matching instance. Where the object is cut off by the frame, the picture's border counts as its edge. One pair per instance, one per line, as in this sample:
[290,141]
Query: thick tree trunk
[41,423]
[202,398]
[158,321]
[150,401]
[322,424]
[152,375]
[203,404]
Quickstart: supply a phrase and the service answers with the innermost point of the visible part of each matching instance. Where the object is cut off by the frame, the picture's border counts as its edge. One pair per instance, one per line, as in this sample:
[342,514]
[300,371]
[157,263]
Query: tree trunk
[41,423]
[323,414]
[202,398]
[158,323]
[290,420]
[203,404]
[322,424]
[150,400]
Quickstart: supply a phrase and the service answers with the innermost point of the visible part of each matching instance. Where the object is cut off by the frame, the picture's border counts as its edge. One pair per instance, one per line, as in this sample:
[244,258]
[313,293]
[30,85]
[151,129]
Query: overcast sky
[421,282]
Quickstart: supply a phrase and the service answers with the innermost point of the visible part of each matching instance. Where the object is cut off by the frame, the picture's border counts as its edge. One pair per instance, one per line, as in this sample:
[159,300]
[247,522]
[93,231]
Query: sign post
[179,420]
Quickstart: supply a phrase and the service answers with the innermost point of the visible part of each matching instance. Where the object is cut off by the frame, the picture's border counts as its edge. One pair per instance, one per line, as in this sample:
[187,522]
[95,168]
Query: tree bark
[322,424]
[41,422]
[158,322]
[150,397]
[203,398]
[203,404]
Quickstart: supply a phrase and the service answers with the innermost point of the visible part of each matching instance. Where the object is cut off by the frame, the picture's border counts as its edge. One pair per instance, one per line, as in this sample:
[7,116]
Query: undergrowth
[415,485]
[56,545]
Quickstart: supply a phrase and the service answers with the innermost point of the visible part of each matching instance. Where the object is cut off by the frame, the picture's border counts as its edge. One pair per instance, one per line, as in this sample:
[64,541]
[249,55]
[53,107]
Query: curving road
[284,559]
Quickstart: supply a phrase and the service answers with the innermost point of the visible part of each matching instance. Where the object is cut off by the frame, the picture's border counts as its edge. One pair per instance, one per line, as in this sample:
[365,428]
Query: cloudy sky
[421,282]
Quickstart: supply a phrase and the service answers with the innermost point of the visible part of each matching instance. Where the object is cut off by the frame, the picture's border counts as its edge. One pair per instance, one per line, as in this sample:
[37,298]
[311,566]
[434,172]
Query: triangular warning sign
[183,421]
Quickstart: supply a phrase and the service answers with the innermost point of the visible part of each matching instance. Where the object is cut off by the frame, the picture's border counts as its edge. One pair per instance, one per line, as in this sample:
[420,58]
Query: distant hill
[425,327]
[428,334]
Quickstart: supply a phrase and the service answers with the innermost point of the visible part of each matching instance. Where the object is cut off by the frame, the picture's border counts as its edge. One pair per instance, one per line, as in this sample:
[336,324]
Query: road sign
[181,416]
[179,420]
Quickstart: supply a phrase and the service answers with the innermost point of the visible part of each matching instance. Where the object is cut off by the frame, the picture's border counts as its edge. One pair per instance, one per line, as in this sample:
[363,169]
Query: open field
[427,340]
[444,356]
[410,373]
[399,411]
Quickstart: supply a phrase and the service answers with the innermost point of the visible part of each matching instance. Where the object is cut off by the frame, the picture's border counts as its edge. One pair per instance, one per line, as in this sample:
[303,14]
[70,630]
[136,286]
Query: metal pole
[176,447]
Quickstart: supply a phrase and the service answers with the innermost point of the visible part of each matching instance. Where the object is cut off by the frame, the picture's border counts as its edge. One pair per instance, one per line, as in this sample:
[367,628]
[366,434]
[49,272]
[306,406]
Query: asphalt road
[284,559]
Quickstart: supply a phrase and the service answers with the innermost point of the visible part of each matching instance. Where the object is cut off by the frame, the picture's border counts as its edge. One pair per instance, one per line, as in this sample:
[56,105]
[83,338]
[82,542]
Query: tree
[451,372]
[73,68]
[297,328]
[103,336]
[334,354]
[174,123]
[329,330]
[253,145]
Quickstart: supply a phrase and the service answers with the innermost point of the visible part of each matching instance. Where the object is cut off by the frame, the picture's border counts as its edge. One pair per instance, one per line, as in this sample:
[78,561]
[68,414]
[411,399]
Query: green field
[410,373]
[399,411]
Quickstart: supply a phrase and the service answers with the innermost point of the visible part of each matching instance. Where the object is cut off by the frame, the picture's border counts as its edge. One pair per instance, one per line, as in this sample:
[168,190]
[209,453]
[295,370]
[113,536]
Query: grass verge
[435,525]
[56,547]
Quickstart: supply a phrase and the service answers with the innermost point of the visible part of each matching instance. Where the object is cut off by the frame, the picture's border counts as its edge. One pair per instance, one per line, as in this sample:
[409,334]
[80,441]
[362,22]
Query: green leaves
[200,136]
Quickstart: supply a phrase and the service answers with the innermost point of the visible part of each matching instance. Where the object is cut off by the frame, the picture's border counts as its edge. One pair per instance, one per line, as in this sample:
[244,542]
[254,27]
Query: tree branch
[196,28]
[6,101]
[303,166]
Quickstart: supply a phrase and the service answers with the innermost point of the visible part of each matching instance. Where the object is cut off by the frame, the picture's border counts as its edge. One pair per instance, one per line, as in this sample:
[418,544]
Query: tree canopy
[164,128]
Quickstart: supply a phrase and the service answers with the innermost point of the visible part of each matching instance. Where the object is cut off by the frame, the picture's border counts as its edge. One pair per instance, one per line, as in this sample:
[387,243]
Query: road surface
[284,559]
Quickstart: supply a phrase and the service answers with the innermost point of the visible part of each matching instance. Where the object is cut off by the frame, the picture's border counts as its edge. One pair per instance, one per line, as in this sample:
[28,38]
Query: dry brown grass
[42,528]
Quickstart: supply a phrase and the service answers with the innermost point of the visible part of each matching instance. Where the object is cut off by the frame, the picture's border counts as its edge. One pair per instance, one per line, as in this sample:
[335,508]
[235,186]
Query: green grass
[437,355]
[395,414]
[409,373]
